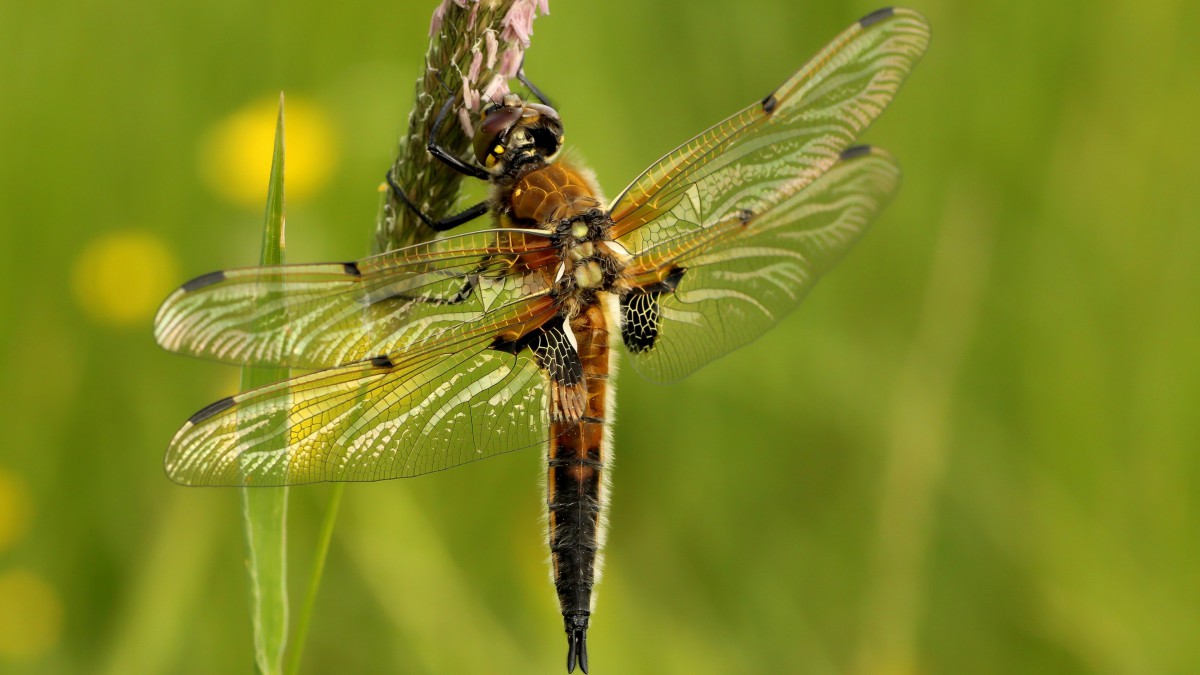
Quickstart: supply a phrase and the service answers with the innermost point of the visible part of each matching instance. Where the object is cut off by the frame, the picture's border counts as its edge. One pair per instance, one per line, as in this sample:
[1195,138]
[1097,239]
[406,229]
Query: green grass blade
[264,510]
[314,582]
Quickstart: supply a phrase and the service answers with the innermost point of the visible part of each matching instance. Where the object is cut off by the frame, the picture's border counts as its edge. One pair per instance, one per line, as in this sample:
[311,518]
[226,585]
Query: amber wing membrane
[363,422]
[325,315]
[774,148]
[741,277]
[755,209]
[416,383]
[453,399]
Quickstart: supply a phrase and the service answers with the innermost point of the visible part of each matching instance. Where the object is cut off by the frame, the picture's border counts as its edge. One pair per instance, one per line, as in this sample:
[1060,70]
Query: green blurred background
[974,450]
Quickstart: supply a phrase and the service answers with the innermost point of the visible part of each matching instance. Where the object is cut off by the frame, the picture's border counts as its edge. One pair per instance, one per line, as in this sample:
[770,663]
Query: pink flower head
[439,15]
[518,22]
[470,96]
[476,62]
[497,88]
[510,62]
[489,40]
[464,119]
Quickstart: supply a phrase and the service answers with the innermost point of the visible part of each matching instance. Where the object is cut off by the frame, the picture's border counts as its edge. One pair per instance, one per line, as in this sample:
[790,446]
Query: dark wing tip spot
[351,269]
[211,410]
[856,151]
[769,103]
[382,362]
[876,16]
[204,280]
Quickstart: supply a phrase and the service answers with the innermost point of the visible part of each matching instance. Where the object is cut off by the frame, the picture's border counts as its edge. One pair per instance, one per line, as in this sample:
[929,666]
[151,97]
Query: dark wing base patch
[641,313]
[554,350]
[639,321]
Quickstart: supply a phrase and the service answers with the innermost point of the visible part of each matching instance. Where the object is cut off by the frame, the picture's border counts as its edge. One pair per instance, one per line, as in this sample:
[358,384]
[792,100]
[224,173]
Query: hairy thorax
[551,193]
[565,200]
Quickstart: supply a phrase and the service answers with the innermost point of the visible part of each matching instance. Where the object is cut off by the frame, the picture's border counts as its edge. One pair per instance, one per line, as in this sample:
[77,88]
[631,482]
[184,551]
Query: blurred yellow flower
[120,277]
[14,509]
[235,156]
[30,615]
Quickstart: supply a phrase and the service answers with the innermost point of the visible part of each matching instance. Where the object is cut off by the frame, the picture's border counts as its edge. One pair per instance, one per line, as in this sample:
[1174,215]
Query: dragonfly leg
[459,297]
[442,224]
[443,154]
[531,86]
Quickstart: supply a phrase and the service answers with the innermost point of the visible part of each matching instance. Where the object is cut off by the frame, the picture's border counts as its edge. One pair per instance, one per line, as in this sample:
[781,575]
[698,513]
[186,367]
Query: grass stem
[264,510]
[314,581]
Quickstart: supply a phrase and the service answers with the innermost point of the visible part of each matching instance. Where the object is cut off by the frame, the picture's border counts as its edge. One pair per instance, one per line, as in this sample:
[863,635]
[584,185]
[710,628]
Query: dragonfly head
[514,132]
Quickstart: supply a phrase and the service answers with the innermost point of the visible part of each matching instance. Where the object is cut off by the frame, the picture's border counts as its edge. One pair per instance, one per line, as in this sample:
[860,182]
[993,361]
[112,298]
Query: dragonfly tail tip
[577,626]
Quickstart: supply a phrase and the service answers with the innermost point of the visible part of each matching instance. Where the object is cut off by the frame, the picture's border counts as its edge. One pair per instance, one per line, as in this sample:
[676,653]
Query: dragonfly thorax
[589,261]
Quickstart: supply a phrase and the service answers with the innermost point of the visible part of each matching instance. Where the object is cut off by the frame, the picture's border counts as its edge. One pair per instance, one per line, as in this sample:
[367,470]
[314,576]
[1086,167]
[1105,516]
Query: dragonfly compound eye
[546,129]
[492,134]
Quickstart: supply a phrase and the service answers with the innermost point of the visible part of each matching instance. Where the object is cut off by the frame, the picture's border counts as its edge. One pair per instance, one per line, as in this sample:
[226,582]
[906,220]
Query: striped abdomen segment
[577,493]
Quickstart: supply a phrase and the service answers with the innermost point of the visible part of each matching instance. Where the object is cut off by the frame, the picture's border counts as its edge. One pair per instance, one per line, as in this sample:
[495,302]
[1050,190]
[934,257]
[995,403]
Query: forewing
[773,149]
[440,405]
[324,315]
[735,278]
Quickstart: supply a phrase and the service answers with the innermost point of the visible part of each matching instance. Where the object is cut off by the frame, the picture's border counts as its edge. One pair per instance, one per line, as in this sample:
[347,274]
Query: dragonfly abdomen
[577,490]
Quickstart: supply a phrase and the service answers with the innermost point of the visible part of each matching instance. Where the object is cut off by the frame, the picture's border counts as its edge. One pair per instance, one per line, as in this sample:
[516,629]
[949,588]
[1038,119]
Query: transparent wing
[323,315]
[727,283]
[773,149]
[448,402]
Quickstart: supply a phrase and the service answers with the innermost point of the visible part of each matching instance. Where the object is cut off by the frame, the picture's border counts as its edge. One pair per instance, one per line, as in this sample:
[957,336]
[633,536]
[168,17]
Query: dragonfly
[475,345]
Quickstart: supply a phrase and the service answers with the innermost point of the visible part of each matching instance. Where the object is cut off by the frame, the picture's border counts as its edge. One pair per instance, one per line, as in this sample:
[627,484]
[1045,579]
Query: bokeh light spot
[235,156]
[121,277]
[14,509]
[30,615]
